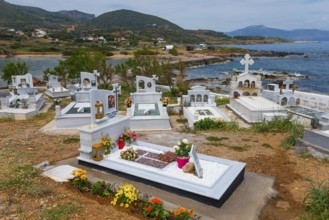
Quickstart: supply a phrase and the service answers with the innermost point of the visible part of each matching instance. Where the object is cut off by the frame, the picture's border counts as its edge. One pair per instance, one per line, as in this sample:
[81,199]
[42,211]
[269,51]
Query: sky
[218,15]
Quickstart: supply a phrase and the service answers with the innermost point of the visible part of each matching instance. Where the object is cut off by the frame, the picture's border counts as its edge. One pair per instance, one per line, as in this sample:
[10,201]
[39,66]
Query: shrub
[126,195]
[154,209]
[181,120]
[173,52]
[101,188]
[317,200]
[208,124]
[282,125]
[222,101]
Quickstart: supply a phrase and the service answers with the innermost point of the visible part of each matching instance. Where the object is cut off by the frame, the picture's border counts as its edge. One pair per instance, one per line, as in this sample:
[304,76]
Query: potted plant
[182,150]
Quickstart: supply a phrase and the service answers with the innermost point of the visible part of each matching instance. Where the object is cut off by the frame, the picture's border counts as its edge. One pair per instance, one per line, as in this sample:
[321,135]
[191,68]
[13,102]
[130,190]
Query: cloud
[219,15]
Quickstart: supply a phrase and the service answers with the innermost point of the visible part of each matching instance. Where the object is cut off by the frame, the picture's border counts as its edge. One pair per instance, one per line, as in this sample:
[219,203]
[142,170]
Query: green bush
[209,124]
[317,200]
[181,120]
[173,52]
[222,101]
[101,188]
[282,125]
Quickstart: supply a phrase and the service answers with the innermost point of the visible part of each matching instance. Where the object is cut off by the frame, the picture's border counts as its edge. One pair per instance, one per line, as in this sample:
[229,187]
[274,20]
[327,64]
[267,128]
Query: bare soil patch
[33,196]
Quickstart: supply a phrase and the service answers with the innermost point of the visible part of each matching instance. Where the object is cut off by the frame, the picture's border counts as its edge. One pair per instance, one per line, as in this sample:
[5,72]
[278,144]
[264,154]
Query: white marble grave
[146,111]
[220,177]
[55,89]
[246,101]
[283,96]
[78,112]
[24,101]
[200,103]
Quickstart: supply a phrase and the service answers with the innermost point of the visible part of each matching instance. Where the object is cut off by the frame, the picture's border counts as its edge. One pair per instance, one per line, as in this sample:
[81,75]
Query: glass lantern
[97,152]
[99,110]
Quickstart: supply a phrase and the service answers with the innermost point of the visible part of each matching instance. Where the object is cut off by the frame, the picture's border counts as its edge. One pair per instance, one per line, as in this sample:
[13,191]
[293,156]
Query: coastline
[58,55]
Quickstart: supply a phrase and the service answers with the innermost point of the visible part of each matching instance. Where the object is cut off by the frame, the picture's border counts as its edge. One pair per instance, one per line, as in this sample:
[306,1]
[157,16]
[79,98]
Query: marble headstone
[196,162]
[22,81]
[146,84]
[89,80]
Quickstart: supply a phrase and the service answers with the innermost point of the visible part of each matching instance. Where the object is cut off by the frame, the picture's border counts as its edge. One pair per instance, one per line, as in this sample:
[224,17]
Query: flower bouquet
[182,150]
[107,143]
[129,154]
[165,101]
[128,136]
[128,102]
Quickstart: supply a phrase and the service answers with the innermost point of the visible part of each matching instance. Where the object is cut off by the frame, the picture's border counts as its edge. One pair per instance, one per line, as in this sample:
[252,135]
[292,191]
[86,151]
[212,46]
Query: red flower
[156,201]
[149,208]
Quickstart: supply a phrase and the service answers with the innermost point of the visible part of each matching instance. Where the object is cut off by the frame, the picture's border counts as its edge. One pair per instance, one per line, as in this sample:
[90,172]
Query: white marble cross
[246,62]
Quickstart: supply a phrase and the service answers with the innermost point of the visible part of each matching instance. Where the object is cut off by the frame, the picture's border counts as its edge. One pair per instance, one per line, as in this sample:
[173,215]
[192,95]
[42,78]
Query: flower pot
[181,161]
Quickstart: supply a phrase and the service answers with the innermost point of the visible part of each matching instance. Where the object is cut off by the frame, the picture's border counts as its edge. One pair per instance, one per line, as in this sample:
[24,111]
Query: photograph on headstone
[111,101]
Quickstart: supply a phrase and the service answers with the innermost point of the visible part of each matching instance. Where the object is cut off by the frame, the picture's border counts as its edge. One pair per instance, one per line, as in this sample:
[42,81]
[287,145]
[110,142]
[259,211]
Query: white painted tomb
[146,111]
[111,124]
[55,89]
[246,101]
[24,101]
[199,103]
[282,96]
[220,177]
[78,112]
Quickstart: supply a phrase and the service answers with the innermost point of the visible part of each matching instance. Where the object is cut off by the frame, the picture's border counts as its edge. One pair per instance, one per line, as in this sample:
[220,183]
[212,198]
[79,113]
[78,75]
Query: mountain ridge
[295,34]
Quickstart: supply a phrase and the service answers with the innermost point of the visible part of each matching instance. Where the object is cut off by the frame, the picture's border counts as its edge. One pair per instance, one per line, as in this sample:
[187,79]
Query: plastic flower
[156,201]
[183,148]
[149,208]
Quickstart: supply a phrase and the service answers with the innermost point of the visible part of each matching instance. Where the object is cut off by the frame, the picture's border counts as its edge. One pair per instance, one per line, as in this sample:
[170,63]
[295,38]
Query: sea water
[38,64]
[314,63]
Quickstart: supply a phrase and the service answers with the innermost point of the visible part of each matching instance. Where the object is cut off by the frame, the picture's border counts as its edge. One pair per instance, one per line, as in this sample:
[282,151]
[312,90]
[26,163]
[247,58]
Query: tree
[84,61]
[13,69]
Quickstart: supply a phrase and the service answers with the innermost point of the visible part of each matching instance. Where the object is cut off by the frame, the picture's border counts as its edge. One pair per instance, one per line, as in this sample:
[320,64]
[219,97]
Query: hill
[297,34]
[16,16]
[127,19]
[77,15]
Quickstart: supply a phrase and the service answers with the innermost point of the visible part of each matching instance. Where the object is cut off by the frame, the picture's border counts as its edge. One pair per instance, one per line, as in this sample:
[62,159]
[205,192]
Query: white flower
[176,147]
[178,143]
[185,141]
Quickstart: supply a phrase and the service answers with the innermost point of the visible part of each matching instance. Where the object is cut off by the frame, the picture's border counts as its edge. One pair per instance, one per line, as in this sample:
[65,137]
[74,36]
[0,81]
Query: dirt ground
[26,196]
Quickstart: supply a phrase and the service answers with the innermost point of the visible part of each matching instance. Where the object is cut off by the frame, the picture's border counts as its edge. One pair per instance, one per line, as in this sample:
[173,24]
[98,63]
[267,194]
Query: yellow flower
[127,205]
[121,204]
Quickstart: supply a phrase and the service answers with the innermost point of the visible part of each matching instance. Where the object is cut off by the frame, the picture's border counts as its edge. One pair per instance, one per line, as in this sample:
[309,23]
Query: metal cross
[117,91]
[95,75]
[246,62]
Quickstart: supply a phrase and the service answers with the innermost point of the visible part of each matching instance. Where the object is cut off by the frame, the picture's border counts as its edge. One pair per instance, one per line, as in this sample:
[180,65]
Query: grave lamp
[97,152]
[99,110]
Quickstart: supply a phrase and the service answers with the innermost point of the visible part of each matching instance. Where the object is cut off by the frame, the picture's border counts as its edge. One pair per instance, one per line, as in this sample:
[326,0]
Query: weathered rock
[283,205]
[189,168]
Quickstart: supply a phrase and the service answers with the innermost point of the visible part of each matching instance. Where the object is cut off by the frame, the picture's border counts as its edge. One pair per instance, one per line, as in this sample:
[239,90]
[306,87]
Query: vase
[181,161]
[127,143]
